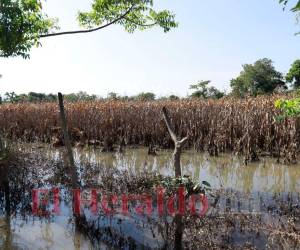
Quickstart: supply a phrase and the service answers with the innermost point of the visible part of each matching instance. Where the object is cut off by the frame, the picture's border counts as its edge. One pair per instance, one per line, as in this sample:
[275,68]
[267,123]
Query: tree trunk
[178,143]
[74,175]
[176,156]
[178,232]
[7,195]
[177,167]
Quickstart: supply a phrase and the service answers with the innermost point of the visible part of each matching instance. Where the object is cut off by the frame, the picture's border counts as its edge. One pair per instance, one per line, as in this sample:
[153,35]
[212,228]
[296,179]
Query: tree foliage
[173,97]
[12,97]
[293,76]
[145,96]
[201,90]
[23,22]
[289,108]
[139,14]
[258,78]
[295,7]
[80,96]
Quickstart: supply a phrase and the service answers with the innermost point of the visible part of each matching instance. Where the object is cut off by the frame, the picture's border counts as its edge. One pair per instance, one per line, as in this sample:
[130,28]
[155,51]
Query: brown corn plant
[245,126]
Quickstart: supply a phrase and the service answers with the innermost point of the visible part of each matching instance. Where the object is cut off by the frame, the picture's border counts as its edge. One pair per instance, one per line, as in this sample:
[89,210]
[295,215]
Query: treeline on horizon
[255,79]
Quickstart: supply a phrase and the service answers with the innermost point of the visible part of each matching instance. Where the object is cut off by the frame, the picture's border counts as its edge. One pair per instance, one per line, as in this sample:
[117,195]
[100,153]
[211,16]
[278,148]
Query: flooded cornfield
[225,171]
[251,206]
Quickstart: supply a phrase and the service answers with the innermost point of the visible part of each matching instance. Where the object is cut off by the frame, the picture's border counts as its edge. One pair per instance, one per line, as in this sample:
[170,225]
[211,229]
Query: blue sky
[213,40]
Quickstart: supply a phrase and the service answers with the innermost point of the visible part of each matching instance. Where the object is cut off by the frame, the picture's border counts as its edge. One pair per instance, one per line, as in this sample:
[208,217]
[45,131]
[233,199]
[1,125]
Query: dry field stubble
[244,126]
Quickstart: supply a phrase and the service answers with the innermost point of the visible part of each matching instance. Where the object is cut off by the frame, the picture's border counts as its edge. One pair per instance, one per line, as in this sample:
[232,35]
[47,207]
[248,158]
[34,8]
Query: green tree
[291,107]
[258,78]
[293,76]
[146,96]
[75,97]
[295,7]
[83,96]
[22,98]
[173,97]
[72,97]
[36,97]
[51,98]
[201,90]
[0,95]
[11,97]
[214,93]
[23,22]
[113,96]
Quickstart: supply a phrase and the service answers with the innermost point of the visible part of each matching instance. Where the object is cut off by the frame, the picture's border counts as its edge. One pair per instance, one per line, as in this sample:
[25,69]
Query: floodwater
[40,234]
[225,171]
[265,178]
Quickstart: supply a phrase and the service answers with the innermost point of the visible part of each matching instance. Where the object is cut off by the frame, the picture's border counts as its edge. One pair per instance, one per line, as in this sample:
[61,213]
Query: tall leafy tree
[201,90]
[113,96]
[145,96]
[23,22]
[11,96]
[258,78]
[293,76]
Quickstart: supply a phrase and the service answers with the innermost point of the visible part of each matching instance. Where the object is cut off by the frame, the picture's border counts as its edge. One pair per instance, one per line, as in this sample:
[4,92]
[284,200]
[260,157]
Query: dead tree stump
[179,144]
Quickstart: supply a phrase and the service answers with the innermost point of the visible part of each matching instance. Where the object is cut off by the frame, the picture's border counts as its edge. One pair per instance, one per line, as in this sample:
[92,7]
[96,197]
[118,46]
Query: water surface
[266,183]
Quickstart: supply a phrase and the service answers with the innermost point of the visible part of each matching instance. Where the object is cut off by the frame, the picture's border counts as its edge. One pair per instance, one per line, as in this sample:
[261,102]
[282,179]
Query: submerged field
[244,126]
[252,204]
[251,207]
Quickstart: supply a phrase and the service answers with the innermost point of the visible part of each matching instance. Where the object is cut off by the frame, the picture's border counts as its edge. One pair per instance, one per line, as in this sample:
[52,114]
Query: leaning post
[74,175]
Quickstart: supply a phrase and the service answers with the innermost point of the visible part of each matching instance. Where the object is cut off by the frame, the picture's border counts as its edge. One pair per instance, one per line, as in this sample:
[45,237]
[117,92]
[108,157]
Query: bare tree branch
[183,141]
[168,123]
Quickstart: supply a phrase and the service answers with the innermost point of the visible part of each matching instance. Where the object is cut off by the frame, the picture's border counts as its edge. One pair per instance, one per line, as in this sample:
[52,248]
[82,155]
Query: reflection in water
[53,233]
[266,181]
[225,171]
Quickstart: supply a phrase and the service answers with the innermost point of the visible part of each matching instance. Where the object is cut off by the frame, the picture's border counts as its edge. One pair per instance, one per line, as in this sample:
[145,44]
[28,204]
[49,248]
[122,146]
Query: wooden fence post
[75,179]
[4,180]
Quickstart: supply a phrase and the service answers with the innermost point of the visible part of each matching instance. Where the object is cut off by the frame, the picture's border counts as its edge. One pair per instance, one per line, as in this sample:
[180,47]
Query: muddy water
[41,234]
[226,172]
